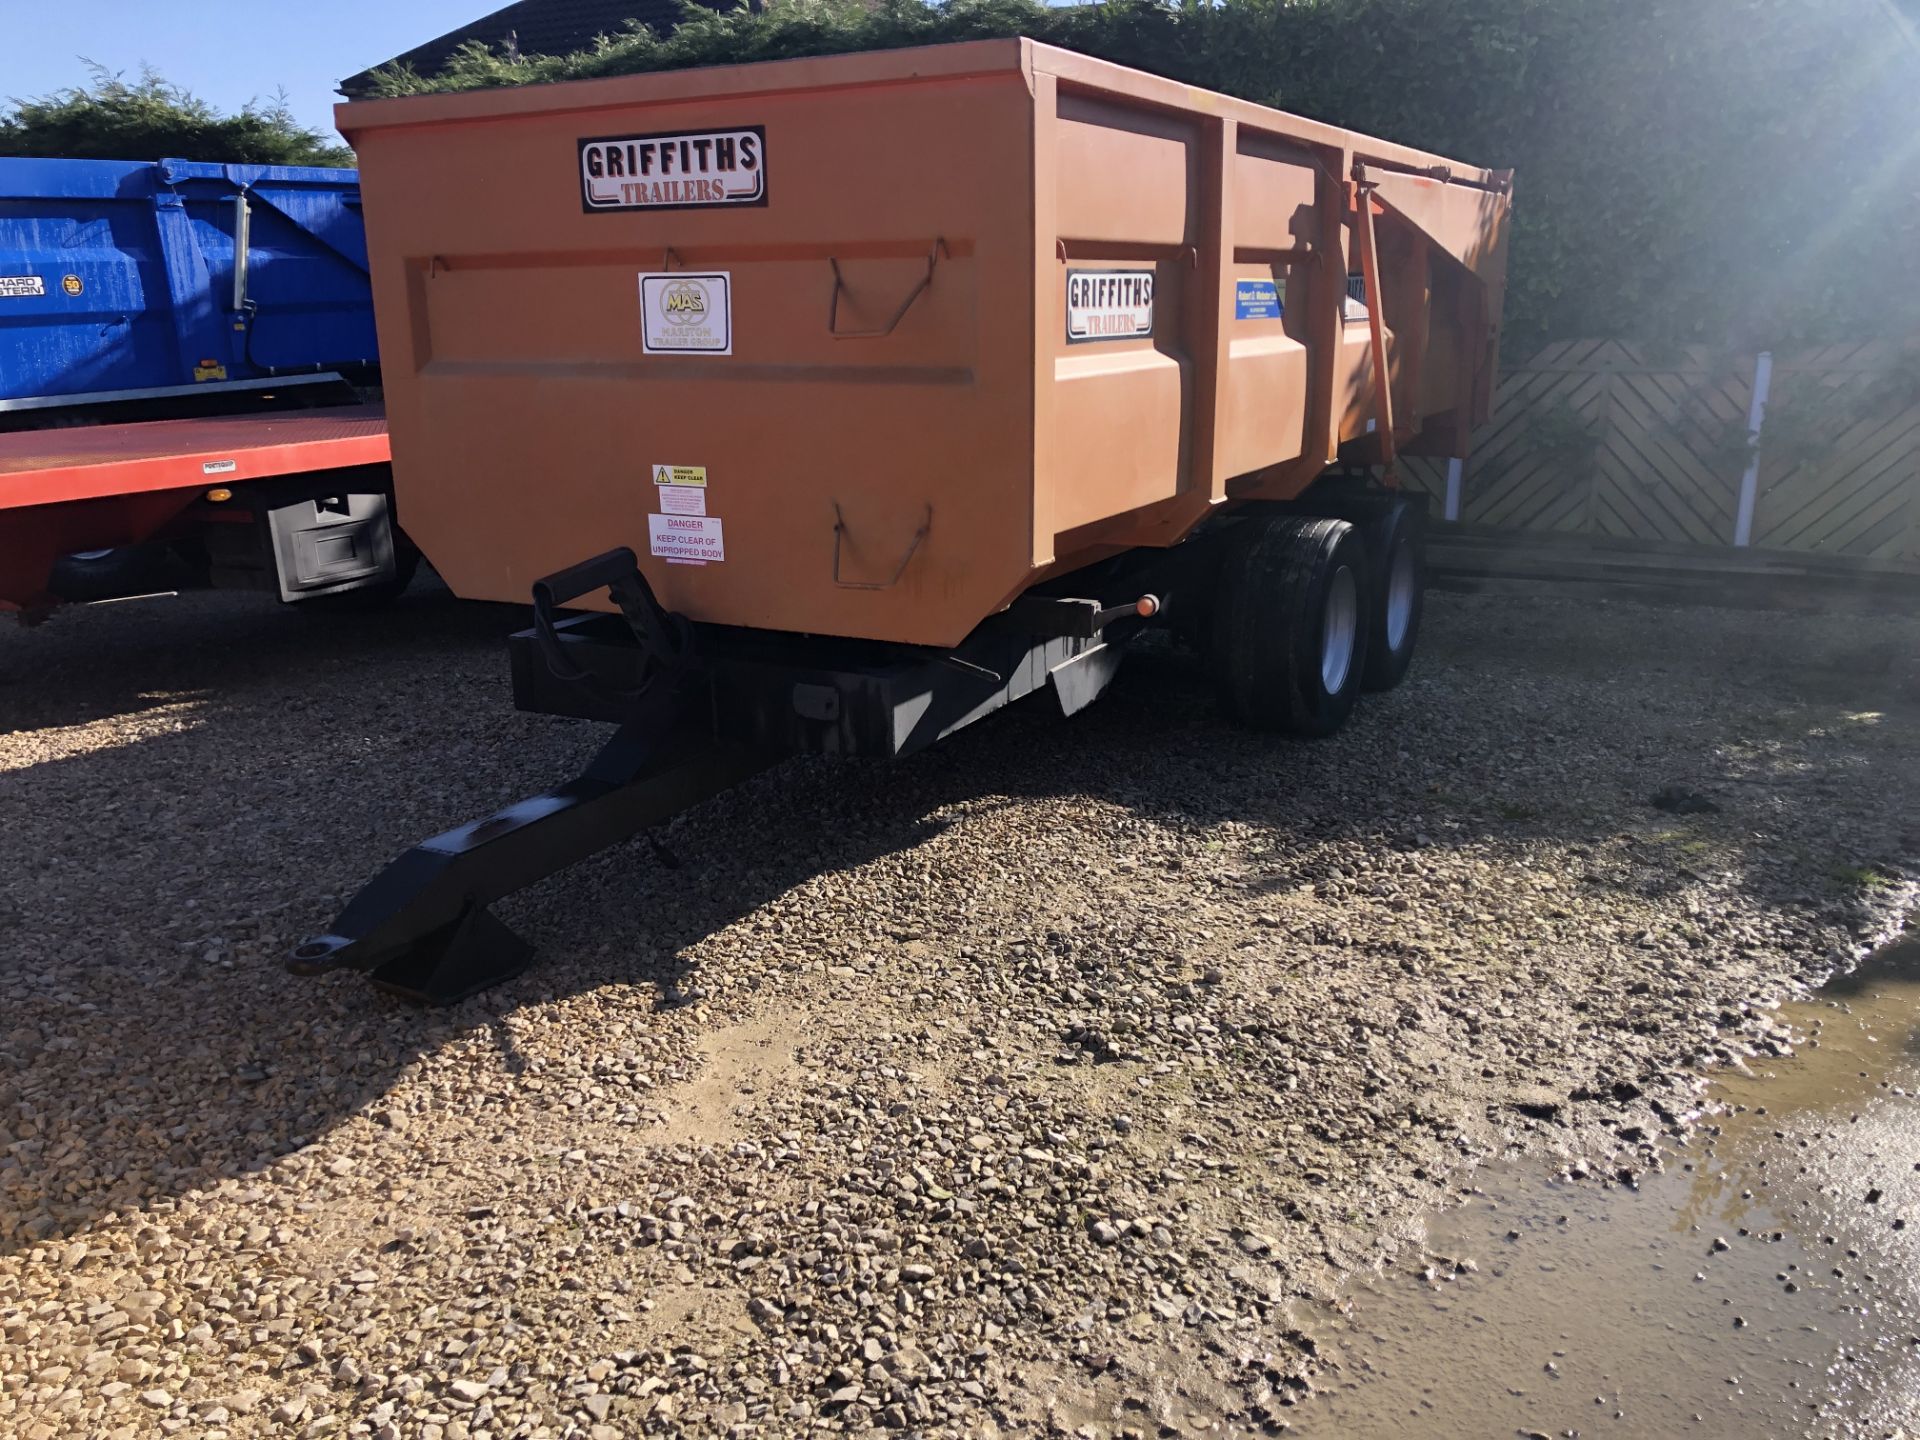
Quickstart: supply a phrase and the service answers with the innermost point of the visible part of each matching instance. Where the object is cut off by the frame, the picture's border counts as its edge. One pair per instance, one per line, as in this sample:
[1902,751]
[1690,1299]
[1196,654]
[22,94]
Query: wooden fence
[1620,443]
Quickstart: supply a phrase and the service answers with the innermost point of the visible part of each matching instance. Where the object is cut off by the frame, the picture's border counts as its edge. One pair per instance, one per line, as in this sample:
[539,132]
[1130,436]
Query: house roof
[536,27]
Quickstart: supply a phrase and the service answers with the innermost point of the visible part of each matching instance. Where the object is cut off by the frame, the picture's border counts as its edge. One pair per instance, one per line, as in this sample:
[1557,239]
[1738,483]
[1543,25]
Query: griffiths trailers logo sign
[1109,305]
[699,169]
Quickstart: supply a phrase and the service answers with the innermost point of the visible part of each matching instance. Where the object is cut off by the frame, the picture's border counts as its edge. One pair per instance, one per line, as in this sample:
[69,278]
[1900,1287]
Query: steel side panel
[527,417]
[1468,225]
[135,268]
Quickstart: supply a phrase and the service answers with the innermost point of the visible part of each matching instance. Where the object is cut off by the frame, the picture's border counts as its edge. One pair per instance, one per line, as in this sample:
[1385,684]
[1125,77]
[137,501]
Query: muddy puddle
[1766,1283]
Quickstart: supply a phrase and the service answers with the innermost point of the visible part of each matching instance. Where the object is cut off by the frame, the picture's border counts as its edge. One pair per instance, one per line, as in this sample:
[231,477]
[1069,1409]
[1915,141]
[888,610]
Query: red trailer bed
[44,467]
[87,487]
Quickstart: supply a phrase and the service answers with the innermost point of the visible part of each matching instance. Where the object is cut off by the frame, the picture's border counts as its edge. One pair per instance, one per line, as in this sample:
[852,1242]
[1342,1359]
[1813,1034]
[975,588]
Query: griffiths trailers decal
[1109,305]
[682,171]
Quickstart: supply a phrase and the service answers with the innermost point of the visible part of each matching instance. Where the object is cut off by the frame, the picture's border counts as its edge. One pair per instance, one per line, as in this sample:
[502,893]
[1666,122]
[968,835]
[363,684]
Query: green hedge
[148,119]
[1726,172]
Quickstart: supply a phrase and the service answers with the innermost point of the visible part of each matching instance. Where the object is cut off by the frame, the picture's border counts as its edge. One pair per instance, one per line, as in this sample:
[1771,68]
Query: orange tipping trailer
[894,386]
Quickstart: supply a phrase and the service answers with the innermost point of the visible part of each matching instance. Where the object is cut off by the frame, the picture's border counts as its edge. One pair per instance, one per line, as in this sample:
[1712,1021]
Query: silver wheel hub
[1339,630]
[1400,598]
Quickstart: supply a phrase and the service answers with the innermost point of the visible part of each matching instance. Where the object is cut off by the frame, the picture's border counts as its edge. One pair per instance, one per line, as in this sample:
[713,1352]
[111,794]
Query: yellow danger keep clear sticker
[680,475]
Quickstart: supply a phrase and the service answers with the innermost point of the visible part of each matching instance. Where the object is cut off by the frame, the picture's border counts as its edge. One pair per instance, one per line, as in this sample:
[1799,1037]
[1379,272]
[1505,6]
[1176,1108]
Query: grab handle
[602,572]
[938,249]
[913,546]
[666,639]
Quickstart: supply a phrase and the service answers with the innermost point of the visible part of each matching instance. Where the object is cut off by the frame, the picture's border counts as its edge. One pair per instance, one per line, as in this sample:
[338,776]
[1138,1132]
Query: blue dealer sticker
[1257,300]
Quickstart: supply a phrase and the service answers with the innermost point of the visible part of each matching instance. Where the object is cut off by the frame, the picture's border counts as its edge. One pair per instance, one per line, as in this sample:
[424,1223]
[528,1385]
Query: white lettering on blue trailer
[21,287]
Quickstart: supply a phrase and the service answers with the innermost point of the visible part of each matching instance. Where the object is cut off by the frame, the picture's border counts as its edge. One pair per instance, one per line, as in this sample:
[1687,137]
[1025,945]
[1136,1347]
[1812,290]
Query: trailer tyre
[1291,623]
[88,575]
[1400,565]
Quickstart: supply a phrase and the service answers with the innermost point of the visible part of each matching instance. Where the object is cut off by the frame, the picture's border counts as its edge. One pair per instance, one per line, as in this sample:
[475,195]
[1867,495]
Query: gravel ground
[1053,1078]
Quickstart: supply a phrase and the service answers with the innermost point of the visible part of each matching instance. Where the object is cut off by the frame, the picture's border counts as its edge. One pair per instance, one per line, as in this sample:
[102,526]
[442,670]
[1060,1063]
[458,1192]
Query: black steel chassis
[699,709]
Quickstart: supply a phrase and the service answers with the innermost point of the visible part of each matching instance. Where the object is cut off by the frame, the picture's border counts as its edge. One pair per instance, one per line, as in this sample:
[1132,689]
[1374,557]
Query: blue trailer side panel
[119,276]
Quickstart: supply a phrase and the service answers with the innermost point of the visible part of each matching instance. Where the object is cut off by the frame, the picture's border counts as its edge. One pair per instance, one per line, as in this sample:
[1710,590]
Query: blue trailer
[188,377]
[123,280]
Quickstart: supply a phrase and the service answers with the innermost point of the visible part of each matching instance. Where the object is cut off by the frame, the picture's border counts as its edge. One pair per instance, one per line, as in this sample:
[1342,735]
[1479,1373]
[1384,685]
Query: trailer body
[873,393]
[920,328]
[122,278]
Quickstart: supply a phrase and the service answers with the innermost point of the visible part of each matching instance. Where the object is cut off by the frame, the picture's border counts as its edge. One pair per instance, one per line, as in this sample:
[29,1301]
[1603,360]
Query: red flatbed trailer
[299,479]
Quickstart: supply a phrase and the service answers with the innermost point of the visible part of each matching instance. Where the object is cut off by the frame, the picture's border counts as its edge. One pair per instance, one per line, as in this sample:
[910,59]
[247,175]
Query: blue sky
[227,53]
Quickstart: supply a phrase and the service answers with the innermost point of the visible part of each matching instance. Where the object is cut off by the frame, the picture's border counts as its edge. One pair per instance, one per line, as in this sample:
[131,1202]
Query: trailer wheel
[1291,623]
[1400,562]
[88,575]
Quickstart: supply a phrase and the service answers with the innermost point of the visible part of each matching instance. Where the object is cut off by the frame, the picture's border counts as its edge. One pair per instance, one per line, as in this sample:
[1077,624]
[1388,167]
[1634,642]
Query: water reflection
[1766,1284]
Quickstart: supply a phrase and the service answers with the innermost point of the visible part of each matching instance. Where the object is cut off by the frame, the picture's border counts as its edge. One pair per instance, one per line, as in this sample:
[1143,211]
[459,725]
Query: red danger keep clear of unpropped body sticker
[687,537]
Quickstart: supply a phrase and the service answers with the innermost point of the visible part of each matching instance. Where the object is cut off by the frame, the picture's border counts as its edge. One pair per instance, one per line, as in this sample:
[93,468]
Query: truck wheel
[1400,562]
[1291,623]
[89,575]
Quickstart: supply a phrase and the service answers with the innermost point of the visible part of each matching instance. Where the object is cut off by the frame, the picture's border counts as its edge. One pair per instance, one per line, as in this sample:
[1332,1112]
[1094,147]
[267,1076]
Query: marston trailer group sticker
[683,313]
[674,171]
[1109,305]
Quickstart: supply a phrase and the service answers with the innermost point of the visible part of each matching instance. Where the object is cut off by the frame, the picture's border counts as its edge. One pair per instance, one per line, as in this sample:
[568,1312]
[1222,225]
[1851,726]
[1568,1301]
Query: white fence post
[1756,419]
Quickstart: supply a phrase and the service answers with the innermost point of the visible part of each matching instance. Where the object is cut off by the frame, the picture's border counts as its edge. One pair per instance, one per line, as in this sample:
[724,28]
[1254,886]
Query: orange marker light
[219,493]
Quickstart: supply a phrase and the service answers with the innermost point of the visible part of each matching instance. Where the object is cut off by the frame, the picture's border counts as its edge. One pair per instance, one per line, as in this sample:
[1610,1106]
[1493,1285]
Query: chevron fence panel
[1614,441]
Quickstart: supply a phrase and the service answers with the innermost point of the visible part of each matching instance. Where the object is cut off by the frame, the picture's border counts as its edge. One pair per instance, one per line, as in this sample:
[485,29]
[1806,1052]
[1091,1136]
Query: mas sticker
[1109,305]
[696,170]
[682,313]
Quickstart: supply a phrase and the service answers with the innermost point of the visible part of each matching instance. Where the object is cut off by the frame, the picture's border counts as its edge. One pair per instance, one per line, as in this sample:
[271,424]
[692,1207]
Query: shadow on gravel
[150,1044]
[152,877]
[122,657]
